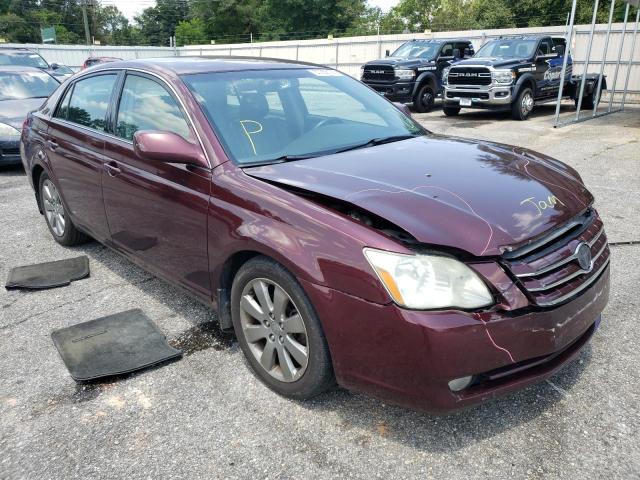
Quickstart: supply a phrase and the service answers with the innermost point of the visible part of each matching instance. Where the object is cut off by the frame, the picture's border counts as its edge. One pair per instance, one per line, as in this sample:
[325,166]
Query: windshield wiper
[377,141]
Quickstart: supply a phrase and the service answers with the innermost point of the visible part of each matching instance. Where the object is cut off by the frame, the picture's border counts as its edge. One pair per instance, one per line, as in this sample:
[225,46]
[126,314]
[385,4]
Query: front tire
[523,106]
[279,331]
[424,99]
[60,225]
[451,111]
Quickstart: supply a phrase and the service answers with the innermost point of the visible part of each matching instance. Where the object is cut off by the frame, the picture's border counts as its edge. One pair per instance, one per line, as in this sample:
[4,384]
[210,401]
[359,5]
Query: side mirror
[386,53]
[559,50]
[167,147]
[468,52]
[403,108]
[456,53]
[54,66]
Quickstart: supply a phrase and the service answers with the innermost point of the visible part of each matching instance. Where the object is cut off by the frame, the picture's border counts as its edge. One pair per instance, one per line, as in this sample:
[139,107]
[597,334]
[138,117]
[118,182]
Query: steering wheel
[327,121]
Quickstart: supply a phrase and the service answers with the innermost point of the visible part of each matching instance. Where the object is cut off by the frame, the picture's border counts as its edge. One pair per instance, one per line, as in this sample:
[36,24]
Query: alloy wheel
[53,208]
[274,330]
[526,104]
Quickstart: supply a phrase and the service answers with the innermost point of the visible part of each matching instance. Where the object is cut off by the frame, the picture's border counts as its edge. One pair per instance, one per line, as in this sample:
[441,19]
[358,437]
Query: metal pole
[337,46]
[633,47]
[297,50]
[86,22]
[615,75]
[604,59]
[588,57]
[565,60]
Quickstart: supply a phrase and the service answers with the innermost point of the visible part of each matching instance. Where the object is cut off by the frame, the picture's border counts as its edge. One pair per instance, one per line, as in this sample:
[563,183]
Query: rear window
[24,59]
[21,85]
[89,101]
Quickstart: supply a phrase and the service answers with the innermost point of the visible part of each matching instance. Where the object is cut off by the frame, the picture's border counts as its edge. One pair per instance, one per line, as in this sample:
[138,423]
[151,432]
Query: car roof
[439,40]
[206,64]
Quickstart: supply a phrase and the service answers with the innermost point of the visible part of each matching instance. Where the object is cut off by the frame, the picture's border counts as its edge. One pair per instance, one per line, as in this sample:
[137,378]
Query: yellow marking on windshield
[249,133]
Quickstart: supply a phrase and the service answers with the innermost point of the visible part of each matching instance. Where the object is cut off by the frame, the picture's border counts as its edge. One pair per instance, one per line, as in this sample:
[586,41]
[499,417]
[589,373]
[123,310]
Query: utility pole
[86,22]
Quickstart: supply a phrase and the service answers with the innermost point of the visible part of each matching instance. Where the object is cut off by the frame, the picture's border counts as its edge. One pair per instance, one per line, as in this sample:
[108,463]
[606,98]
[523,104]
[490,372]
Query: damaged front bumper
[409,357]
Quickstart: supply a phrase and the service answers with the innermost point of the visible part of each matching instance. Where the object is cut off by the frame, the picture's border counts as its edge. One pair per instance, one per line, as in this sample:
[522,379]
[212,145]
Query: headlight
[9,131]
[405,74]
[504,76]
[445,75]
[428,281]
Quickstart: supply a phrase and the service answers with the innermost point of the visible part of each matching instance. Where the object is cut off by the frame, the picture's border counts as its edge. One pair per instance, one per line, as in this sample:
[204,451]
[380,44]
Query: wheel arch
[527,80]
[36,172]
[425,77]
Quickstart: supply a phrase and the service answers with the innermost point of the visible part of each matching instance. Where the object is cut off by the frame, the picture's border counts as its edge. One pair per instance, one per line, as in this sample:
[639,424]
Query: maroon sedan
[339,239]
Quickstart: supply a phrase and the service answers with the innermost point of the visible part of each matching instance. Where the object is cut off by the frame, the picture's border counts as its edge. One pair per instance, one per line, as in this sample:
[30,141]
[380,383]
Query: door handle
[112,168]
[52,144]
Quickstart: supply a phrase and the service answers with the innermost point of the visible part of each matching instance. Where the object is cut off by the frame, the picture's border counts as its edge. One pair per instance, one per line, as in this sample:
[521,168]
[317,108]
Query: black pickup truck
[515,73]
[413,73]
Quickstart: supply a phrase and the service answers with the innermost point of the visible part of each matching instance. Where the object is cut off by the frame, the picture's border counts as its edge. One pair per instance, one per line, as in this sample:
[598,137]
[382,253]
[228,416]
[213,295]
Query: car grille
[454,94]
[378,73]
[549,269]
[469,76]
[10,151]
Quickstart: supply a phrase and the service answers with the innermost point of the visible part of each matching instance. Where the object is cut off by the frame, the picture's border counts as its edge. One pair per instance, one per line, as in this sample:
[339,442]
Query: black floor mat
[48,275]
[112,345]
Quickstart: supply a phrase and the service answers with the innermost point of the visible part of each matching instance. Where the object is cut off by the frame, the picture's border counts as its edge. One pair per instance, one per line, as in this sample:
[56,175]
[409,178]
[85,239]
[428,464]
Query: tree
[192,32]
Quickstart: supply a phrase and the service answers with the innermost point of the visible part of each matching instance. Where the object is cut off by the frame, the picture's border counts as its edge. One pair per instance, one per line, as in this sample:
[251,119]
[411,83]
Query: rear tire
[279,331]
[60,225]
[523,105]
[451,111]
[424,99]
[588,101]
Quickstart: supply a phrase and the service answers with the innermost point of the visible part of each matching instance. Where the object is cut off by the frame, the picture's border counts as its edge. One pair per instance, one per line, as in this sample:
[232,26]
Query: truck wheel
[588,101]
[424,99]
[523,106]
[451,111]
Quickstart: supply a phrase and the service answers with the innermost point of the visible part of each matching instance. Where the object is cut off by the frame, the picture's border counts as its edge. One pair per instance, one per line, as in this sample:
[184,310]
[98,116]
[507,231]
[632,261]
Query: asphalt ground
[206,416]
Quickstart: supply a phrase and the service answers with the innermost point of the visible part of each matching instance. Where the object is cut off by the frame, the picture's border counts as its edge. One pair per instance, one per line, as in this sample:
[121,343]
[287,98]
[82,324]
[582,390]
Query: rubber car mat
[112,345]
[49,274]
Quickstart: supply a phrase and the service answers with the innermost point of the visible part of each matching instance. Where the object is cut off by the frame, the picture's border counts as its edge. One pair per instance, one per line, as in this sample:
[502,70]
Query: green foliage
[192,32]
[226,21]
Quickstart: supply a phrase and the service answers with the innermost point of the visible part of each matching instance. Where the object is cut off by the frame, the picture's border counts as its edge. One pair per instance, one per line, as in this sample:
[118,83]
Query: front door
[157,211]
[75,150]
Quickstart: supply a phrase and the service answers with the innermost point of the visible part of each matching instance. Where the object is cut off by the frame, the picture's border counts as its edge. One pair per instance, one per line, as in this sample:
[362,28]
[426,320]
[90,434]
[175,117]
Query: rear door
[157,211]
[75,142]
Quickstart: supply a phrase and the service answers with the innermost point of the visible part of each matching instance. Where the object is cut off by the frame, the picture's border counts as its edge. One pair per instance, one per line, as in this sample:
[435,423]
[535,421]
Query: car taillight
[26,124]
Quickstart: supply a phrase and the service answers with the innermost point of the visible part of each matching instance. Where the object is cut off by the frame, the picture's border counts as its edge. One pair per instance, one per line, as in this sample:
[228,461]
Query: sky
[133,7]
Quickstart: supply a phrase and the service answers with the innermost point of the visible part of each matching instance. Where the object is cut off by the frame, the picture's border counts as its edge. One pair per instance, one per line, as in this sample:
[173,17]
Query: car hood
[471,195]
[14,112]
[492,62]
[400,62]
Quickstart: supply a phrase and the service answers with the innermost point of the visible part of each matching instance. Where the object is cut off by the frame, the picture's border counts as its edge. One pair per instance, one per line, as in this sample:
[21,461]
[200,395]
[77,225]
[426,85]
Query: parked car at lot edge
[22,89]
[29,58]
[515,74]
[338,238]
[413,73]
[91,61]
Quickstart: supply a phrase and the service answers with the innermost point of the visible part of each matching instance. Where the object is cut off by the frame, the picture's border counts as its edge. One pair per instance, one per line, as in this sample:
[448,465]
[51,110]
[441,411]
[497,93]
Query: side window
[447,50]
[544,48]
[147,105]
[63,106]
[90,100]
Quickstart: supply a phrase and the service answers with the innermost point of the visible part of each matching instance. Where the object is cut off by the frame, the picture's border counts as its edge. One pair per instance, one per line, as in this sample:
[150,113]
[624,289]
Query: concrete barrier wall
[349,53]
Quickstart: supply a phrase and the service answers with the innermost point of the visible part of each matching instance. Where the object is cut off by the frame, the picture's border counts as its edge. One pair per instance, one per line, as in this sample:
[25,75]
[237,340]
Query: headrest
[253,106]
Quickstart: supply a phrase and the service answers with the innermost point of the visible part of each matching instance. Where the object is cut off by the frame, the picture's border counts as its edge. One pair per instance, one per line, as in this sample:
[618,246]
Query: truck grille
[469,76]
[378,73]
[551,270]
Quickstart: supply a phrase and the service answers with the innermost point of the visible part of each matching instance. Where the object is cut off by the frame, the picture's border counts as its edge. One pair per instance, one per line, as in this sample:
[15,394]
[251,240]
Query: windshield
[425,50]
[514,48]
[23,59]
[21,85]
[262,116]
